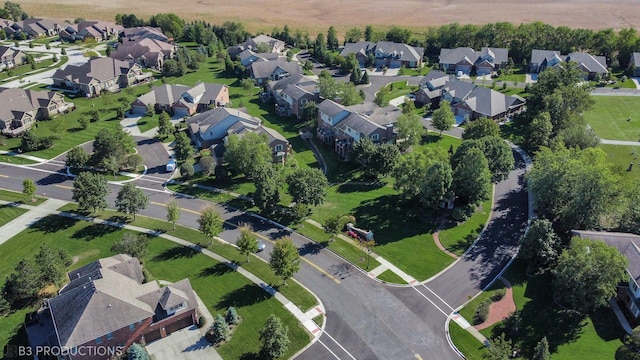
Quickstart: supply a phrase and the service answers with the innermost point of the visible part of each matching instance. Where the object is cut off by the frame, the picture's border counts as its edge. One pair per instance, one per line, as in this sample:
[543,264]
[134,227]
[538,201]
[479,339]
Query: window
[375,137]
[132,326]
[109,336]
[99,340]
[140,322]
[176,308]
[278,147]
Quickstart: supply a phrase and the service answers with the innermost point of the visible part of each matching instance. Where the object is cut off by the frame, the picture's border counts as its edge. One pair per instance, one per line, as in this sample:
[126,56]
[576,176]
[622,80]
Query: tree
[51,264]
[472,178]
[182,146]
[247,242]
[353,35]
[274,337]
[443,117]
[540,131]
[579,136]
[499,155]
[310,111]
[186,170]
[83,121]
[232,317]
[410,130]
[368,33]
[587,274]
[284,259]
[248,153]
[380,98]
[499,348]
[207,164]
[131,199]
[90,191]
[132,244]
[210,223]
[28,188]
[137,352]
[112,146]
[333,225]
[133,161]
[220,330]
[409,172]
[308,186]
[541,352]
[435,184]
[345,92]
[408,106]
[384,159]
[164,124]
[540,246]
[363,151]
[22,285]
[267,194]
[332,39]
[173,212]
[480,128]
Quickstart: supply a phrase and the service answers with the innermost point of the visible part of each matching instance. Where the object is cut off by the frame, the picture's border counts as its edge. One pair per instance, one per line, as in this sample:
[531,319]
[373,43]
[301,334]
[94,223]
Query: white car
[261,246]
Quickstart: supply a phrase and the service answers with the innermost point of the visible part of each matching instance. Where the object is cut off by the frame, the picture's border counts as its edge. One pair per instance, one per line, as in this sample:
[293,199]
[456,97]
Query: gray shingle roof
[539,56]
[596,64]
[149,48]
[403,52]
[264,69]
[434,79]
[301,80]
[98,68]
[330,108]
[15,101]
[454,56]
[200,123]
[458,89]
[627,244]
[359,123]
[636,59]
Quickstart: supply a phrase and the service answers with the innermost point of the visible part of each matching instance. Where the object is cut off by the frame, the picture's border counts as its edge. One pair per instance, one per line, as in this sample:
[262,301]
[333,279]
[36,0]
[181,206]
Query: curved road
[365,319]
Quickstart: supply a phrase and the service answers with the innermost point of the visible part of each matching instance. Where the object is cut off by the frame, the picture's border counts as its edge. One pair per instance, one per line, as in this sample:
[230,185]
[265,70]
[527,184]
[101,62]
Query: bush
[232,316]
[458,214]
[498,295]
[202,321]
[482,312]
[5,306]
[147,275]
[624,353]
[186,170]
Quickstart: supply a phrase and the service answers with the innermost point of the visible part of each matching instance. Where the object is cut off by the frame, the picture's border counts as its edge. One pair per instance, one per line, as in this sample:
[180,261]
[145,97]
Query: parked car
[261,246]
[171,165]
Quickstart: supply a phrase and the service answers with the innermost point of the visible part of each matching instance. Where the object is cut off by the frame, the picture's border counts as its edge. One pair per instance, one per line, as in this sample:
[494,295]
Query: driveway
[186,344]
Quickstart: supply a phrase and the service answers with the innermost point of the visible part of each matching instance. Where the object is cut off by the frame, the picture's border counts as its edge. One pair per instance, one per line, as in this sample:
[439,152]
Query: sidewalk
[50,207]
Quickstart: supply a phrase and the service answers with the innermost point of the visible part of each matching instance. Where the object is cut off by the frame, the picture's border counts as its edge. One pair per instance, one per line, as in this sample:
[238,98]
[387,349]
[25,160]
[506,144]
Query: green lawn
[517,75]
[610,115]
[391,277]
[147,123]
[466,343]
[16,160]
[8,213]
[571,335]
[397,89]
[217,285]
[457,238]
[621,156]
[22,69]
[13,196]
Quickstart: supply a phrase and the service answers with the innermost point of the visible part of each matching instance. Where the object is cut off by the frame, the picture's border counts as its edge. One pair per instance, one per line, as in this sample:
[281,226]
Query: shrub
[202,321]
[458,214]
[232,316]
[498,295]
[147,275]
[5,306]
[186,170]
[624,353]
[482,312]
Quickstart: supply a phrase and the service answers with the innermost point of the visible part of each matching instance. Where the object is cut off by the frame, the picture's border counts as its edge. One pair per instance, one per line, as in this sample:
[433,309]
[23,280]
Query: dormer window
[176,308]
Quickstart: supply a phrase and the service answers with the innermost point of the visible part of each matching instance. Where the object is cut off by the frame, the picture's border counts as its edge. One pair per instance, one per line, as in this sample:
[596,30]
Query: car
[171,166]
[261,246]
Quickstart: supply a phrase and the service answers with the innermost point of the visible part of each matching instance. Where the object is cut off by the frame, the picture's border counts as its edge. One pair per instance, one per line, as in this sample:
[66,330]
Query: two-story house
[146,52]
[260,43]
[11,57]
[20,108]
[107,304]
[470,102]
[292,93]
[181,100]
[430,87]
[542,59]
[591,65]
[386,54]
[97,75]
[263,71]
[465,60]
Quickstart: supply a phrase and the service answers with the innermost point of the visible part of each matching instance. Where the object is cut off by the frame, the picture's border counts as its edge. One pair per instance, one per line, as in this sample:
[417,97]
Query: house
[92,29]
[214,126]
[181,100]
[107,303]
[387,54]
[143,32]
[629,246]
[635,63]
[465,60]
[11,57]
[469,101]
[98,75]
[542,59]
[148,53]
[260,43]
[340,127]
[592,66]
[35,28]
[247,57]
[292,93]
[430,87]
[263,71]
[20,108]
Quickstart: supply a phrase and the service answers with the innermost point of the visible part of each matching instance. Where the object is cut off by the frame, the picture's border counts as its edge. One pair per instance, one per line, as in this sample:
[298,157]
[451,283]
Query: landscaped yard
[571,335]
[457,238]
[217,285]
[615,117]
[8,213]
[13,196]
[397,89]
[621,156]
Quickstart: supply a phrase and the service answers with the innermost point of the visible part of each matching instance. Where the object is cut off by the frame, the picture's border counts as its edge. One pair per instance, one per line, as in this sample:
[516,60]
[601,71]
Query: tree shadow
[94,231]
[312,248]
[175,252]
[245,296]
[119,219]
[218,269]
[53,223]
[351,187]
[52,179]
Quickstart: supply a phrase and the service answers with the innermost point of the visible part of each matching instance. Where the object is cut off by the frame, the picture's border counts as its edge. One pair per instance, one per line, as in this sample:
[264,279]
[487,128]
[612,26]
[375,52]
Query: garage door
[178,325]
[152,335]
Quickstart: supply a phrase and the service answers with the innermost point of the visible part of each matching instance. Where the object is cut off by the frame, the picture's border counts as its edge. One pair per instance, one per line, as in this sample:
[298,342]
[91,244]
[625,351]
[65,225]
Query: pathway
[500,310]
[50,207]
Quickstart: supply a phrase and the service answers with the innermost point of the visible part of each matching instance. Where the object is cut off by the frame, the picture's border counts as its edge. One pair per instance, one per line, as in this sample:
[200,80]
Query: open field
[615,117]
[315,15]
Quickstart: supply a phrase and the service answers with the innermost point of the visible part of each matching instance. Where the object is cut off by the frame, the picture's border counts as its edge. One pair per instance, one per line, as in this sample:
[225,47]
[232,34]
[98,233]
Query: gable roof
[454,56]
[402,51]
[14,102]
[300,80]
[458,89]
[144,32]
[204,93]
[99,68]
[434,79]
[264,69]
[263,39]
[360,123]
[539,56]
[487,102]
[9,51]
[148,48]
[330,108]
[200,123]
[627,244]
[595,64]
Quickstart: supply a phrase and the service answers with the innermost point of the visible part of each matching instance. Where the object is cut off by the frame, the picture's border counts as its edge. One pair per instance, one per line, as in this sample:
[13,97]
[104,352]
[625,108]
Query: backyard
[615,117]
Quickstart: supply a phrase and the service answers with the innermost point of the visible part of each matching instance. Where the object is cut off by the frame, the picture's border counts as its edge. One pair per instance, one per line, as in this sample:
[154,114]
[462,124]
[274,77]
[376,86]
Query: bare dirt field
[318,15]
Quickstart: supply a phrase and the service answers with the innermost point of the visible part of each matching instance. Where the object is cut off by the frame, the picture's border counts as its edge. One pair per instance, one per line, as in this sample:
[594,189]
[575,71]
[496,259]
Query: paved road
[365,319]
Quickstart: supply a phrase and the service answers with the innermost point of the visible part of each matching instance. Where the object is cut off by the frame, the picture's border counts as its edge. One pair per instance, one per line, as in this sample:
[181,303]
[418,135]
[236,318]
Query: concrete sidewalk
[22,222]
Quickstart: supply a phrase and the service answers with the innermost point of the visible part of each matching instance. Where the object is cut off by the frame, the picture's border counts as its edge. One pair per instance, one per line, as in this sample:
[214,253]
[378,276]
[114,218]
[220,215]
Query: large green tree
[410,130]
[471,177]
[409,172]
[332,39]
[182,146]
[541,351]
[248,153]
[499,155]
[112,146]
[267,194]
[540,246]
[76,158]
[308,186]
[210,223]
[480,128]
[587,274]
[436,184]
[173,212]
[164,125]
[247,242]
[540,131]
[284,259]
[131,199]
[135,245]
[384,159]
[52,264]
[90,191]
[443,118]
[23,284]
[274,338]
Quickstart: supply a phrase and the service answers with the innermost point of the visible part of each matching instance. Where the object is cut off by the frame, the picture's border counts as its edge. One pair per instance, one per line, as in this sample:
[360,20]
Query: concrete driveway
[186,344]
